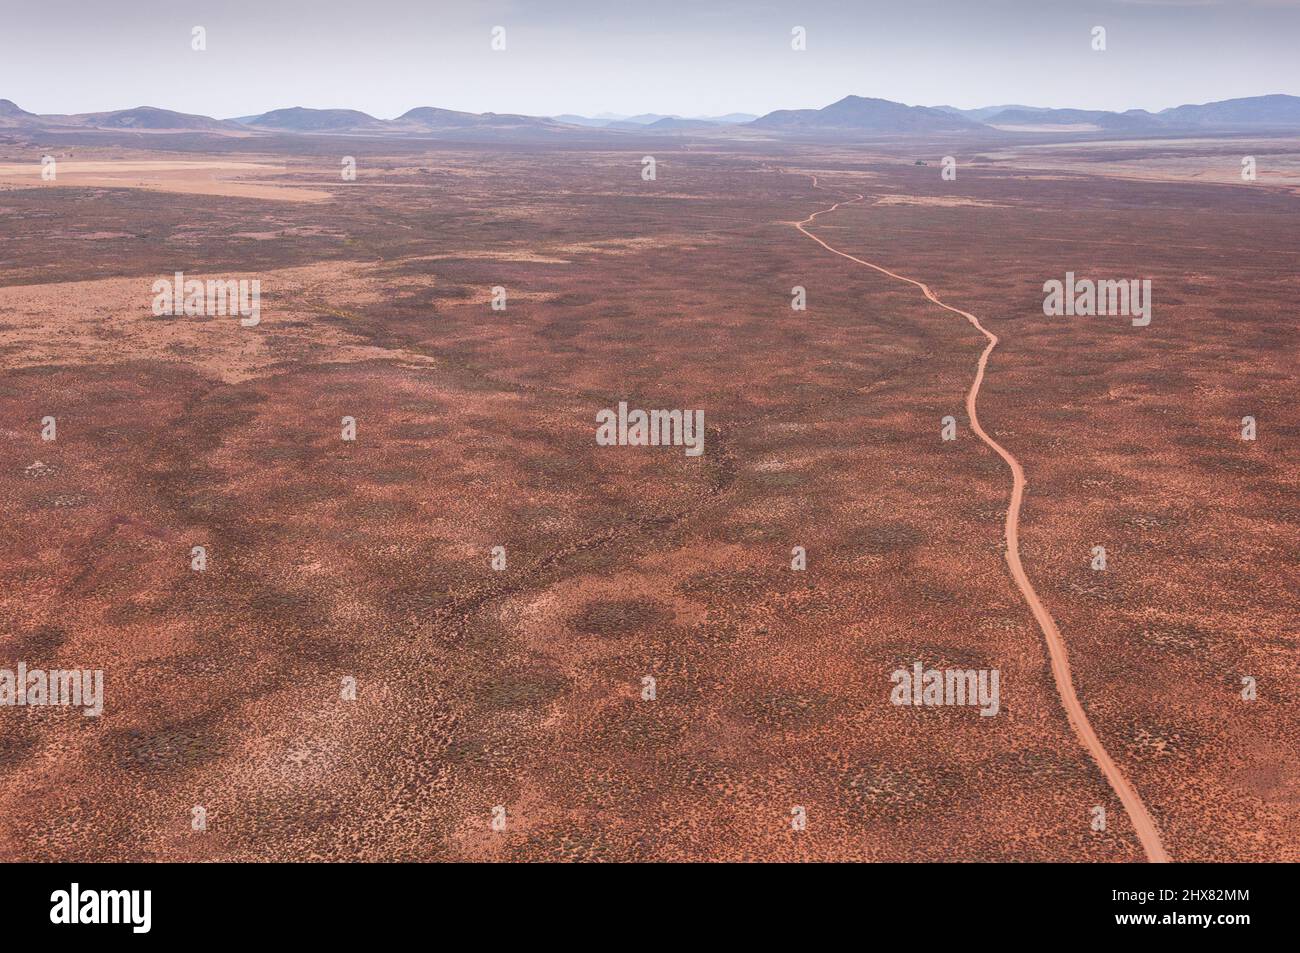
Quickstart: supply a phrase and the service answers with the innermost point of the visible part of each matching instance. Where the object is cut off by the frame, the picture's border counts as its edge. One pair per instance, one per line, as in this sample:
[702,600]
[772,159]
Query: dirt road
[1128,796]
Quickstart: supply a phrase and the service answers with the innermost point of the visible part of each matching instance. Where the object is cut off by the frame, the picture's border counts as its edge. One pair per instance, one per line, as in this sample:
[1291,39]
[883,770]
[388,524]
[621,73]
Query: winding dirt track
[1128,796]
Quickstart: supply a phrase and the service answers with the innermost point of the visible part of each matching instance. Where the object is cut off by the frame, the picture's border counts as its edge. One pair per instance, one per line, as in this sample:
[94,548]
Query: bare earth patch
[80,322]
[199,177]
[943,201]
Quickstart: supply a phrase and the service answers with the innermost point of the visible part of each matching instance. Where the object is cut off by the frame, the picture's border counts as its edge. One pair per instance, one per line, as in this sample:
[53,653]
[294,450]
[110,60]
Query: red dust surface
[523,689]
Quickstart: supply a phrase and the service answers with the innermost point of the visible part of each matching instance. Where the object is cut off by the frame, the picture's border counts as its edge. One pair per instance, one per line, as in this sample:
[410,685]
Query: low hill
[434,119]
[862,114]
[154,119]
[1277,110]
[302,119]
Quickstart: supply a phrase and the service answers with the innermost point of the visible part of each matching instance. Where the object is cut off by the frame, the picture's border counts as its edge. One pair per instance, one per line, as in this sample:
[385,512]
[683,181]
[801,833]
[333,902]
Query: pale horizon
[579,58]
[612,115]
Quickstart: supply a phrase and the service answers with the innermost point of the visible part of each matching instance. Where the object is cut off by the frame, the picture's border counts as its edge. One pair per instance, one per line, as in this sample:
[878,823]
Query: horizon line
[624,116]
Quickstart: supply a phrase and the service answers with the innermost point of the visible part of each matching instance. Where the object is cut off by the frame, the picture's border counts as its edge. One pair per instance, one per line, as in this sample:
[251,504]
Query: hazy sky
[688,57]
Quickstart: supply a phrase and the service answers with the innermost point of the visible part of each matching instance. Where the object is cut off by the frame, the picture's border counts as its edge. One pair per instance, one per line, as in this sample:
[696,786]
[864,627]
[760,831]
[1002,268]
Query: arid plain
[523,688]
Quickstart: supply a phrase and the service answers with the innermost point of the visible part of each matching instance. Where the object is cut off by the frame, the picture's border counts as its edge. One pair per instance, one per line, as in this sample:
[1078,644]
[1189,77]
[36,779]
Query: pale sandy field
[194,177]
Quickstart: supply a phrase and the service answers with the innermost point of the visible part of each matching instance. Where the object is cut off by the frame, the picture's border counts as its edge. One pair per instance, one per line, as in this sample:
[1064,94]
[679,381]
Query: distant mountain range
[421,120]
[850,116]
[1275,111]
[659,120]
[1020,116]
